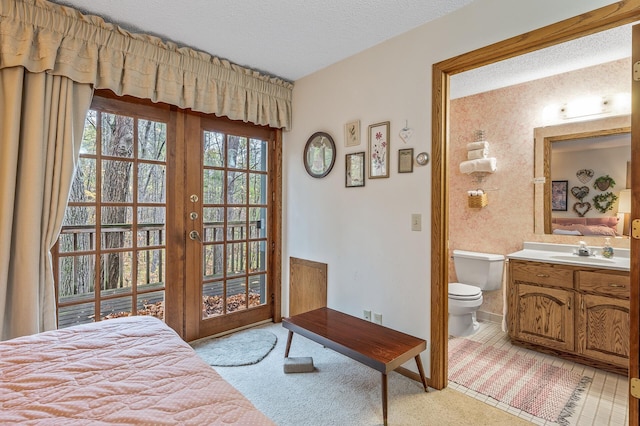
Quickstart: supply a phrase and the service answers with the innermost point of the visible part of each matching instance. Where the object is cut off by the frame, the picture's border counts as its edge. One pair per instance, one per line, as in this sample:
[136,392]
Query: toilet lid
[464,291]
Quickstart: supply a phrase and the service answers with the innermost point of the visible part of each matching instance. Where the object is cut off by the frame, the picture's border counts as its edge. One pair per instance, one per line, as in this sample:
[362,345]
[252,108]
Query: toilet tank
[483,270]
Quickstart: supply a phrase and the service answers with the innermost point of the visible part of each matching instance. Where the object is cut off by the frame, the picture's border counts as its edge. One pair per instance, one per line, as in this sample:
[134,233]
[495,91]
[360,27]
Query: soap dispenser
[607,250]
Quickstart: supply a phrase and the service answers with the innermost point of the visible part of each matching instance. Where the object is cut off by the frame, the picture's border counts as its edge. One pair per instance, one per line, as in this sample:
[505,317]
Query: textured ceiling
[292,38]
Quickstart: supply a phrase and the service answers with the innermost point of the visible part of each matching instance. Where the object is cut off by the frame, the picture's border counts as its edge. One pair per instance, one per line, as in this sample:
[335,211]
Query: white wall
[375,261]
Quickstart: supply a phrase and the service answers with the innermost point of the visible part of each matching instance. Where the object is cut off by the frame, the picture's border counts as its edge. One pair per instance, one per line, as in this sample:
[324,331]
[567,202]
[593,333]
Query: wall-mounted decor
[406,133]
[354,170]
[319,154]
[352,133]
[580,192]
[582,208]
[422,158]
[559,189]
[604,182]
[604,202]
[379,150]
[584,175]
[405,160]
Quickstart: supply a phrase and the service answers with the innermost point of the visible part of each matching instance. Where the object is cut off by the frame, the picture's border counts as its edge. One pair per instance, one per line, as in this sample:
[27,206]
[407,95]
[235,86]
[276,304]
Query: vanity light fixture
[588,106]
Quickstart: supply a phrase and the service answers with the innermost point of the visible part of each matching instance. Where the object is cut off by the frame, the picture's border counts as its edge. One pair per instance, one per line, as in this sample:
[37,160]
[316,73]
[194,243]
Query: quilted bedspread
[133,370]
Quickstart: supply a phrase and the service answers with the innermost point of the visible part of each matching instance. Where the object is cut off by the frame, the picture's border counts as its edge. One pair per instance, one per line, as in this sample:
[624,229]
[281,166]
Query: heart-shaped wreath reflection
[580,192]
[604,202]
[582,208]
[584,175]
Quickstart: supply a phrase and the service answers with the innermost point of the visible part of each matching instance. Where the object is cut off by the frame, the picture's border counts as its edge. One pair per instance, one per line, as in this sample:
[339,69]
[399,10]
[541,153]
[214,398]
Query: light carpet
[526,383]
[242,348]
[344,392]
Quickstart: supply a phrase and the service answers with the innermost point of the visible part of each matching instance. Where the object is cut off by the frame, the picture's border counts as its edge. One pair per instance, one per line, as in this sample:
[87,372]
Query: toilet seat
[459,291]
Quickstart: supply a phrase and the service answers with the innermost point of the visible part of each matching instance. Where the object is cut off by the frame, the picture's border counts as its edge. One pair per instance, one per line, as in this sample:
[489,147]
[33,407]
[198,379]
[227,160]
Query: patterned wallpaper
[508,117]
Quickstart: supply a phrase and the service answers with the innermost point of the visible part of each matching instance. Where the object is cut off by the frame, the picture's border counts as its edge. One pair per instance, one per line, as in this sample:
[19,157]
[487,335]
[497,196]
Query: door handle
[195,236]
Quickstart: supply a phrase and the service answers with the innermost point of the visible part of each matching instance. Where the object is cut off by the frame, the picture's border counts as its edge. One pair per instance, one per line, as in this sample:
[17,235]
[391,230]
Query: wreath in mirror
[604,202]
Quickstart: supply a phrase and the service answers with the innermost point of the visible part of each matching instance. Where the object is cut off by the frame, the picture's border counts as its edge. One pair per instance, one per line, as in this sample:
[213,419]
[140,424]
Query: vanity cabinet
[580,313]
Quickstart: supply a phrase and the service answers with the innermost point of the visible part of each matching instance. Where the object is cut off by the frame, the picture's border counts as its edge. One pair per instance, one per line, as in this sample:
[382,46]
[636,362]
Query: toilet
[476,272]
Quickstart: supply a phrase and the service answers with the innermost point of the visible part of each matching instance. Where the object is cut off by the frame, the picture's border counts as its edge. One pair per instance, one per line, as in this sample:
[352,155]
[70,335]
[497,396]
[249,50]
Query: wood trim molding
[616,14]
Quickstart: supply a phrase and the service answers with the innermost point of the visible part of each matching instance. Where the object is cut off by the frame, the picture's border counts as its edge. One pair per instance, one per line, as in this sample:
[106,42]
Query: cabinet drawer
[607,284]
[541,273]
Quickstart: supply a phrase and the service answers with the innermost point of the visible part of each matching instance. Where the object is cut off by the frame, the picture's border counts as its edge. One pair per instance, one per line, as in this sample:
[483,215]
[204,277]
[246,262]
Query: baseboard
[489,316]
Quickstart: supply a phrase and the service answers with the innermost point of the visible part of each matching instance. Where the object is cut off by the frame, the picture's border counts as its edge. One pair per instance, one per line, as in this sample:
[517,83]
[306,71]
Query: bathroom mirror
[586,139]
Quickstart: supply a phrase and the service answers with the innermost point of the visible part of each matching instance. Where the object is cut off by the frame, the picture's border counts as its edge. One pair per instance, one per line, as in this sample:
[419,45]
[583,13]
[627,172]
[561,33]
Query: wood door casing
[307,285]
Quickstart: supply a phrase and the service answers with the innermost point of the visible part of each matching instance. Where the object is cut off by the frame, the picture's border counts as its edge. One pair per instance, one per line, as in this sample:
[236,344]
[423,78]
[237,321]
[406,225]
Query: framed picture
[379,150]
[354,172]
[559,189]
[352,133]
[405,160]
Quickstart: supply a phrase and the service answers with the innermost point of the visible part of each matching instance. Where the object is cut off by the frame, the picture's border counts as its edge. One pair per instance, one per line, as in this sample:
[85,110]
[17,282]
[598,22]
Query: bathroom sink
[584,259]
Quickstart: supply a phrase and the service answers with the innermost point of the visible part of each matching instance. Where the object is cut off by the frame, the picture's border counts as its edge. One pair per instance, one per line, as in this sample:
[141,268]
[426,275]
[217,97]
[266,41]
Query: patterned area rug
[528,384]
[241,348]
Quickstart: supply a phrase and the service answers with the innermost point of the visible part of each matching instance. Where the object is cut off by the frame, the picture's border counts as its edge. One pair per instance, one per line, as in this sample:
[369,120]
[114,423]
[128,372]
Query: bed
[605,226]
[129,370]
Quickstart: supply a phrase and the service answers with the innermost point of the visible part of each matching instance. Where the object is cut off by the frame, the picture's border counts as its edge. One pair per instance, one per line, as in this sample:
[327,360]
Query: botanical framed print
[352,133]
[378,158]
[559,190]
[354,171]
[405,160]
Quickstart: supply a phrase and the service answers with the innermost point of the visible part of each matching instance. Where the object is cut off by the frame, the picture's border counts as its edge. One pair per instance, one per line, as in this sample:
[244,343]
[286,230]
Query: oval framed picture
[319,154]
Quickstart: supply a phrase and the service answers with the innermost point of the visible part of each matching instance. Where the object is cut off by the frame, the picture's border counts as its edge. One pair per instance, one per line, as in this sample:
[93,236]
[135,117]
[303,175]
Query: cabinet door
[545,316]
[603,329]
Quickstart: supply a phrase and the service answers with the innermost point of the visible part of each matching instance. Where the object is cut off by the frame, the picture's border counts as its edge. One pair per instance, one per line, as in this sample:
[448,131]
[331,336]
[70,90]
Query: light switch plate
[416,222]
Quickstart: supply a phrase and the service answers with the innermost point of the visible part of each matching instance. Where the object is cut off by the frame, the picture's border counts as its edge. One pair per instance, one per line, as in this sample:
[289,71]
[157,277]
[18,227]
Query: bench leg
[286,351]
[421,371]
[384,399]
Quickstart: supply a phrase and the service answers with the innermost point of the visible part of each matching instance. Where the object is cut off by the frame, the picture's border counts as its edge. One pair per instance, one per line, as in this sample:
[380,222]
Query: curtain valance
[44,37]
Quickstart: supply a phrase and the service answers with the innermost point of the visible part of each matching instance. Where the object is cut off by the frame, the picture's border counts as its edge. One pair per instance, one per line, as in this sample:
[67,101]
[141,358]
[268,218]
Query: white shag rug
[242,348]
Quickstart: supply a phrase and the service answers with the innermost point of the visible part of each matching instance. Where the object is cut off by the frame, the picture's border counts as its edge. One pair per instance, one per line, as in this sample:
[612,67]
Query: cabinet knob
[542,275]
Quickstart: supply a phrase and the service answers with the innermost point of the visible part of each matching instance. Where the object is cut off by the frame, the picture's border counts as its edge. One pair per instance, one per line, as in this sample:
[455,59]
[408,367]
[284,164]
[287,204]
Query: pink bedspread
[127,370]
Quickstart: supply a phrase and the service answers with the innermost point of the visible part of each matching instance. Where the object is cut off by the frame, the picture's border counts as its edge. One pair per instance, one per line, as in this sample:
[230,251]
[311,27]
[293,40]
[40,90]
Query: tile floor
[604,403]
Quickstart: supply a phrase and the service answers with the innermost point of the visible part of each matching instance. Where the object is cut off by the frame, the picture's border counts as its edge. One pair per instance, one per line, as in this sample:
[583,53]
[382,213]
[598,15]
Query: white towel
[477,153]
[480,165]
[477,145]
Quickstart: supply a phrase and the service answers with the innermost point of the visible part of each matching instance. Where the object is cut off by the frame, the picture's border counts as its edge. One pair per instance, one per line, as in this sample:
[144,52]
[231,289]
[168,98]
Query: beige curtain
[42,36]
[41,122]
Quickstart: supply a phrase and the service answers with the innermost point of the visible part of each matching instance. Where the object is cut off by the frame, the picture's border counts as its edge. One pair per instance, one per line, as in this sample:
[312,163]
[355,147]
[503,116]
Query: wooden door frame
[620,13]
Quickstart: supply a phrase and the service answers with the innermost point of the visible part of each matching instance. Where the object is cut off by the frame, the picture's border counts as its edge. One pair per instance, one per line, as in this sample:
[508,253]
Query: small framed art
[559,189]
[379,150]
[405,160]
[354,172]
[352,133]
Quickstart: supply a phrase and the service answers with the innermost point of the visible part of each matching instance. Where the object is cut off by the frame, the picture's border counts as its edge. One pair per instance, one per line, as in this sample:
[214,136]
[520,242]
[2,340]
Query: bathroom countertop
[564,254]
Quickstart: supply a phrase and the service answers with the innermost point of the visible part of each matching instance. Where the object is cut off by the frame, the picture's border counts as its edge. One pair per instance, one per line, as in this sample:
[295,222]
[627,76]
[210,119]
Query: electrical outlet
[377,318]
[366,315]
[416,222]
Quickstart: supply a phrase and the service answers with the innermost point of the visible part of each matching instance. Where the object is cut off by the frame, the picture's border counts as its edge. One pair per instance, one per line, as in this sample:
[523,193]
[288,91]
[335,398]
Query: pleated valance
[44,37]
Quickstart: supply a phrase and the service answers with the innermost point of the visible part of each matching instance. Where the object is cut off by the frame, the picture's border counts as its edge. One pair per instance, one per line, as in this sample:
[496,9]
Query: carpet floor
[341,391]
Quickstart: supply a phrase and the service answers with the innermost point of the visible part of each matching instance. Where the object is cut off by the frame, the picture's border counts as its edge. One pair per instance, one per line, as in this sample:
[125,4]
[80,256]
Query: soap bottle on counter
[607,250]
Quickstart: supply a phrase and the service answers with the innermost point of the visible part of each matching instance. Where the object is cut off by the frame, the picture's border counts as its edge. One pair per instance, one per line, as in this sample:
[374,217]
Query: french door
[229,215]
[172,214]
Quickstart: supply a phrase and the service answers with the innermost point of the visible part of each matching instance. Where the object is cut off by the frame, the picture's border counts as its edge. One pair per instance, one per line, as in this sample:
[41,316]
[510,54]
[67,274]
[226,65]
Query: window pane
[257,188]
[236,295]
[257,290]
[213,149]
[117,180]
[212,298]
[257,256]
[151,183]
[213,191]
[88,145]
[151,268]
[236,256]
[79,216]
[213,260]
[151,304]
[116,227]
[116,276]
[76,277]
[152,140]
[117,135]
[236,223]
[258,155]
[76,241]
[237,187]
[115,308]
[237,152]
[258,222]
[213,223]
[83,188]
[83,313]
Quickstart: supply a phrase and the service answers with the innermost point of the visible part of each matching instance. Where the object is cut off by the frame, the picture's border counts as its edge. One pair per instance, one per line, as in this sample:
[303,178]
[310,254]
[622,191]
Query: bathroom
[514,214]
